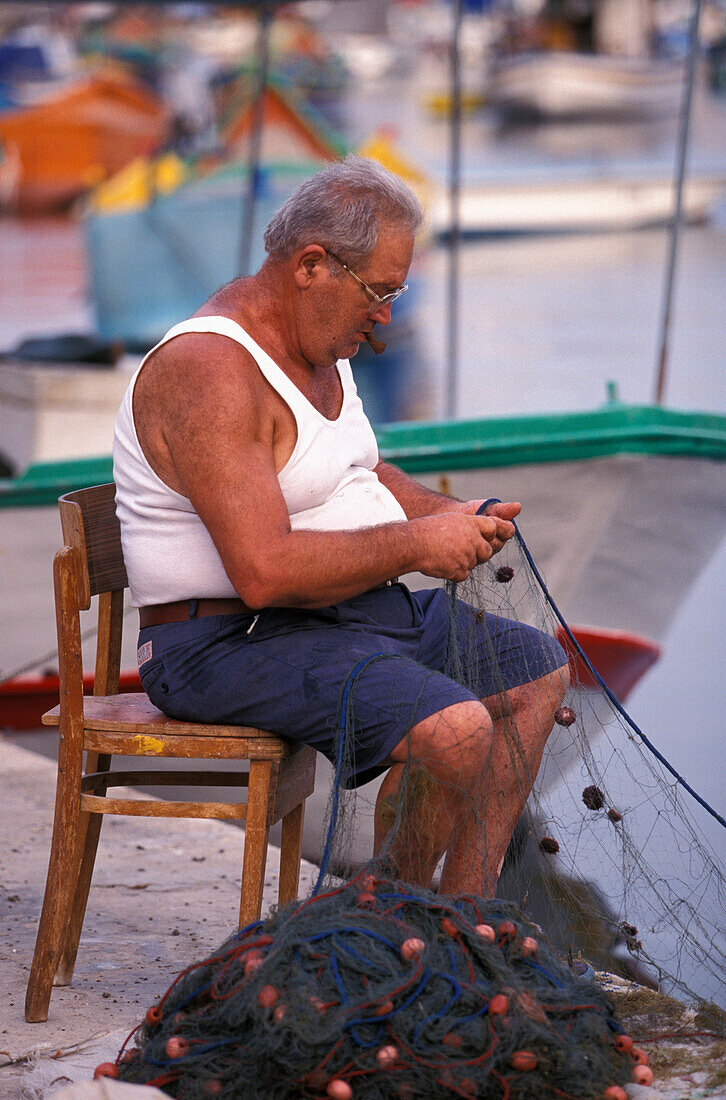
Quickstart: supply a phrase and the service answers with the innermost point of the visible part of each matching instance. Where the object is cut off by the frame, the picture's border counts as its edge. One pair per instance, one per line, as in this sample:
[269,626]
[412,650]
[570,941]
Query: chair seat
[134,714]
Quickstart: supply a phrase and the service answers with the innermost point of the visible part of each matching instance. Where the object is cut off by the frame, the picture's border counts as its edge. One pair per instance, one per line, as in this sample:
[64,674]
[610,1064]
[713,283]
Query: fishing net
[611,854]
[377,989]
[373,988]
[612,851]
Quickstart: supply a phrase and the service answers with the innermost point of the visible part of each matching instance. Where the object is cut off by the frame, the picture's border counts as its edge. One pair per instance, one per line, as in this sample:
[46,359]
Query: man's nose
[382,314]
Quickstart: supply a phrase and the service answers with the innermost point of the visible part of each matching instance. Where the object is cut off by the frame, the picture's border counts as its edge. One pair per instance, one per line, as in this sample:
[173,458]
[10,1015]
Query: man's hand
[451,544]
[502,514]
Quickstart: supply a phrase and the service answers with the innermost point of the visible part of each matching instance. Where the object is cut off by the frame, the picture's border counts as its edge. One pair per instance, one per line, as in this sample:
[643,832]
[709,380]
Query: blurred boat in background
[550,60]
[86,90]
[565,85]
[574,200]
[153,263]
[78,135]
[166,233]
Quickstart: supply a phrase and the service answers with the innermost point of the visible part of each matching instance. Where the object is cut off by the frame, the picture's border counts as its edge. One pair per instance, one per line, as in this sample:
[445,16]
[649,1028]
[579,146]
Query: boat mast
[452,343]
[254,178]
[684,133]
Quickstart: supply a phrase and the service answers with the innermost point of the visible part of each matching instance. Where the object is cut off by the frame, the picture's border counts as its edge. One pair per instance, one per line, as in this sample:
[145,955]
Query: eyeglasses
[376,300]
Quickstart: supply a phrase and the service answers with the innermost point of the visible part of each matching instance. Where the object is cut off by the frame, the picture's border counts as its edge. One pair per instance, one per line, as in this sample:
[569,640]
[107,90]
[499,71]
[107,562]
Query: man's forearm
[415,499]
[319,568]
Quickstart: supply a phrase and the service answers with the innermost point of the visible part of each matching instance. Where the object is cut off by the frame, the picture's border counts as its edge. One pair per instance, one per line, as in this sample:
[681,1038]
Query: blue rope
[338,980]
[536,966]
[351,1025]
[340,756]
[443,1010]
[452,960]
[354,930]
[360,957]
[615,702]
[248,928]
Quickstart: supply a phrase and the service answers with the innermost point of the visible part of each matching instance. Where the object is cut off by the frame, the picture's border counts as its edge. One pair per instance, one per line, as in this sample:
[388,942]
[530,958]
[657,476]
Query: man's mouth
[376,346]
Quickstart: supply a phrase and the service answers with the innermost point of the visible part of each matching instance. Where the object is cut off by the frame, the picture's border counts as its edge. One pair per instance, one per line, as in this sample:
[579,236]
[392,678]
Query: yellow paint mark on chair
[148,745]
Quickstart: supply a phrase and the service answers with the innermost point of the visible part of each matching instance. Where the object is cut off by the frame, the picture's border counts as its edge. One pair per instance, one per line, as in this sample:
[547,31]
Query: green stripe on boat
[447,446]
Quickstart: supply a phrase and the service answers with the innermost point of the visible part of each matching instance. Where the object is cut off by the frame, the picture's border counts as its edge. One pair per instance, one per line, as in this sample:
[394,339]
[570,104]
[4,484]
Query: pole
[685,125]
[452,343]
[254,176]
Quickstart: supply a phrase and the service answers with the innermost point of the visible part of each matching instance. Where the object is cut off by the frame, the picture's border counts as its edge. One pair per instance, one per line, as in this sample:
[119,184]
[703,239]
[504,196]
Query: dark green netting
[378,989]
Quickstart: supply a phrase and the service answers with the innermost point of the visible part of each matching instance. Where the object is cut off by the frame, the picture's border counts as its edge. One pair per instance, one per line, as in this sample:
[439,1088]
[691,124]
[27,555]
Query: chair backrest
[93,553]
[91,526]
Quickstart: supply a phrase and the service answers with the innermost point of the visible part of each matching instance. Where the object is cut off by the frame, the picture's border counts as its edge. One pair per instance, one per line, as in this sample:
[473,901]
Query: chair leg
[60,888]
[89,830]
[66,965]
[256,834]
[290,852]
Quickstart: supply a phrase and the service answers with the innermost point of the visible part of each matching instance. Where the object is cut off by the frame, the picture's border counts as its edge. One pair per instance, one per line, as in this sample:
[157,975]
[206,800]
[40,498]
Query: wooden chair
[280,776]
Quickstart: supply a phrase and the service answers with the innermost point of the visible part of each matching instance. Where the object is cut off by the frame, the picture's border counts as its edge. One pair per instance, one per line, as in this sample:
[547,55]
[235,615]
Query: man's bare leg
[424,799]
[470,770]
[523,719]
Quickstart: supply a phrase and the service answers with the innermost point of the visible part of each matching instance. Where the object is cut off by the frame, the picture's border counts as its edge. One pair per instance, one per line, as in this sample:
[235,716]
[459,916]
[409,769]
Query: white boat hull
[568,85]
[605,532]
[560,204]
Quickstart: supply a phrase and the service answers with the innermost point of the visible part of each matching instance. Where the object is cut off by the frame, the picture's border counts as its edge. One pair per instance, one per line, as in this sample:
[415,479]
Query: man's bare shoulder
[201,368]
[202,377]
[198,403]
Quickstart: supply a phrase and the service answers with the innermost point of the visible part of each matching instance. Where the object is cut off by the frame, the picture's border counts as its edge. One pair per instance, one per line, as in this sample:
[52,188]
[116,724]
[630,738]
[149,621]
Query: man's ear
[309,263]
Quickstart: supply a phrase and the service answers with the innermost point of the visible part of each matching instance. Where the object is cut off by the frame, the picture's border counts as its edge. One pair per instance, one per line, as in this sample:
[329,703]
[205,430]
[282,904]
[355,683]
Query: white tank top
[328,484]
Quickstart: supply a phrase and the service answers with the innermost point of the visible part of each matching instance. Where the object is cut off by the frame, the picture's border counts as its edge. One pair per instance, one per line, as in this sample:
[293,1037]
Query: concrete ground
[165,892]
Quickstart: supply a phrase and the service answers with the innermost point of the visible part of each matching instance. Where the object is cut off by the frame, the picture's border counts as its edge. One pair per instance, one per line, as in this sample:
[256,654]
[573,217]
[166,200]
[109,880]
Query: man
[264,537]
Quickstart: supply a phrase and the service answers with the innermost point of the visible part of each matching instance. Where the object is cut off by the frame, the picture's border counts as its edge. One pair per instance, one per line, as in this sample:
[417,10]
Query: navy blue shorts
[287,669]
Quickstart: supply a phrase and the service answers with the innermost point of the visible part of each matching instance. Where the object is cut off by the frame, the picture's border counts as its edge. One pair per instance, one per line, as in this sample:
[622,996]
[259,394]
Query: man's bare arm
[417,500]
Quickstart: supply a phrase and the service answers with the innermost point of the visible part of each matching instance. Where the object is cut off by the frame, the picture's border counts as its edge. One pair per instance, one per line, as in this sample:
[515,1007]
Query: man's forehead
[391,258]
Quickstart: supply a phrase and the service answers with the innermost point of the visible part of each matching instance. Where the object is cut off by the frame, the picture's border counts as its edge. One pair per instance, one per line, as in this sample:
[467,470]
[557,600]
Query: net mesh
[610,854]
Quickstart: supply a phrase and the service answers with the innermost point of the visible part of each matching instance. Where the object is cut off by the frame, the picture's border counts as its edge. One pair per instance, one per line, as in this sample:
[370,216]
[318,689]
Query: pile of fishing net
[375,989]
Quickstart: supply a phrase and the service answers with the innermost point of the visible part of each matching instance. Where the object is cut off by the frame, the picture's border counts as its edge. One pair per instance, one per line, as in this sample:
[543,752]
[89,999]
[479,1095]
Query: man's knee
[555,684]
[563,679]
[453,744]
[540,696]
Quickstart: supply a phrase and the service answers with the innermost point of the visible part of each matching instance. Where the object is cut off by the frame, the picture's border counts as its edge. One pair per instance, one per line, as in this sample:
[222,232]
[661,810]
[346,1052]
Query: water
[546,323]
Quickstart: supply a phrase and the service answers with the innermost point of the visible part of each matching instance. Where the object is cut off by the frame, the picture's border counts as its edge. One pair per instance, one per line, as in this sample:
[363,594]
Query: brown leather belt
[182,610]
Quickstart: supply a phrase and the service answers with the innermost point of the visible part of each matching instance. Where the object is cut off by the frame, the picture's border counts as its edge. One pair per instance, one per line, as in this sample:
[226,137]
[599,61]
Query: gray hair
[341,208]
